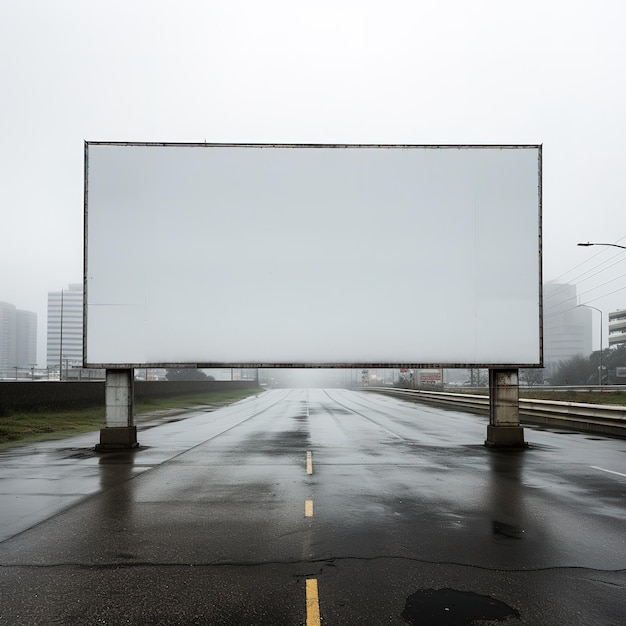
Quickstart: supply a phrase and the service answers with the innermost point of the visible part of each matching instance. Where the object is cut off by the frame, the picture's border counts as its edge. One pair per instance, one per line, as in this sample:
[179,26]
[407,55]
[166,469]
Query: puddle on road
[507,530]
[77,453]
[449,607]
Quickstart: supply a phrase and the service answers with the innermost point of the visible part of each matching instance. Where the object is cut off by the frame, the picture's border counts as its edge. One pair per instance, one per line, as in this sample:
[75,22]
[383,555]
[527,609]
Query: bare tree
[532,376]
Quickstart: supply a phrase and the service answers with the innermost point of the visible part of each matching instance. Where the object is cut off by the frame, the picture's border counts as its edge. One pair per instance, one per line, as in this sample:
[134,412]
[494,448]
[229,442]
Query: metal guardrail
[555,388]
[597,418]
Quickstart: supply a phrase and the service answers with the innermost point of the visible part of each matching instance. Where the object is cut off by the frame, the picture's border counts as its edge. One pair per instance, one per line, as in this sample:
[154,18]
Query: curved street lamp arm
[613,245]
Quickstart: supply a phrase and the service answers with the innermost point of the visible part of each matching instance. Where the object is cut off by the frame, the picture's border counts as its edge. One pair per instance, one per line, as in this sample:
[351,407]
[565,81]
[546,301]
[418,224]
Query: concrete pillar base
[118,438]
[505,437]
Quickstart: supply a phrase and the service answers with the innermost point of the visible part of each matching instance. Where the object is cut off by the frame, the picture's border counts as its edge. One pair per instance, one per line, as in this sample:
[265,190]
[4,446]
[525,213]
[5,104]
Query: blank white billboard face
[312,255]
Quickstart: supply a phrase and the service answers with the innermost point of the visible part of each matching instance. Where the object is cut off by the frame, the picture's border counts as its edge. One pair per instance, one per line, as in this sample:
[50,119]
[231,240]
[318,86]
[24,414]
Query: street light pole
[612,245]
[61,342]
[588,306]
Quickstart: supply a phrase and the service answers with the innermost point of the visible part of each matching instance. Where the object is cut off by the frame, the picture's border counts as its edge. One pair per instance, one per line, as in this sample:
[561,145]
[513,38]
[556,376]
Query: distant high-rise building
[26,344]
[567,328]
[7,335]
[18,337]
[65,327]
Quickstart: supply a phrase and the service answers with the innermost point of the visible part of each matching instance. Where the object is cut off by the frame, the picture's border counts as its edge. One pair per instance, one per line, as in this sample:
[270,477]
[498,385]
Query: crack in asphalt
[328,561]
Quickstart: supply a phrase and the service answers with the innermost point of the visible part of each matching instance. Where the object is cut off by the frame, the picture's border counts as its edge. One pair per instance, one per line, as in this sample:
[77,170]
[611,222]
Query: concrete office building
[65,328]
[567,328]
[617,328]
[18,337]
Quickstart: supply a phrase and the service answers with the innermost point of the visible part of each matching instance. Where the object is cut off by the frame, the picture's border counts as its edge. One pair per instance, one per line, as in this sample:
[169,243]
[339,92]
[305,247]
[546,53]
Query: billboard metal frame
[314,365]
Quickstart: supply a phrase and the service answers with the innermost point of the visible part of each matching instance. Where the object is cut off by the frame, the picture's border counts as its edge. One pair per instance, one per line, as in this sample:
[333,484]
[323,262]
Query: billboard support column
[120,432]
[504,430]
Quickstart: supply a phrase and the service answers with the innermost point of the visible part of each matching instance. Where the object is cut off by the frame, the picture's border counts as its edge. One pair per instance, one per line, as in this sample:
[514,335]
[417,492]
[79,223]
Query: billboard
[430,377]
[249,255]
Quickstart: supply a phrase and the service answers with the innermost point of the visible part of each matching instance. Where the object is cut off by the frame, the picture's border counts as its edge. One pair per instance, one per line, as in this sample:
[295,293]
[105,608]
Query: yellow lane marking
[309,463]
[312,603]
[308,508]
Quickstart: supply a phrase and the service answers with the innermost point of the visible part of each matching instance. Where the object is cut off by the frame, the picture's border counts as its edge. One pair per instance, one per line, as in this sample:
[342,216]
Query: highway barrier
[597,418]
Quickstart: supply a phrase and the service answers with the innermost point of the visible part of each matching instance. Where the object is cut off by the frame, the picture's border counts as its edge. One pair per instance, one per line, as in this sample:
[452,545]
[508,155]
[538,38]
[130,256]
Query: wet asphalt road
[411,520]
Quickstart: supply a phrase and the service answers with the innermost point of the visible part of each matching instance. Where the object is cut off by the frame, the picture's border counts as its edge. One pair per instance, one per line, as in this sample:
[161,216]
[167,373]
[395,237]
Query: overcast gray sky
[467,72]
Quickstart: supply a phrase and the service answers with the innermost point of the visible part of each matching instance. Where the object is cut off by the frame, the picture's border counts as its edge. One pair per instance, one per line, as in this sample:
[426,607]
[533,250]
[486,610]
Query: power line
[578,295]
[585,261]
[620,260]
[608,294]
[554,301]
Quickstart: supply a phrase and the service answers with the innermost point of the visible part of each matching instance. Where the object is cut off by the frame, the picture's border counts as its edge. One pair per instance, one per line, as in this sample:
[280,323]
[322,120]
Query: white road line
[309,463]
[608,471]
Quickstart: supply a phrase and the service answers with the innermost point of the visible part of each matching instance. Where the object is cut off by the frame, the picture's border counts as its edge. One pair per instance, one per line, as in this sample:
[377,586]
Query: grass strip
[616,398]
[19,428]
